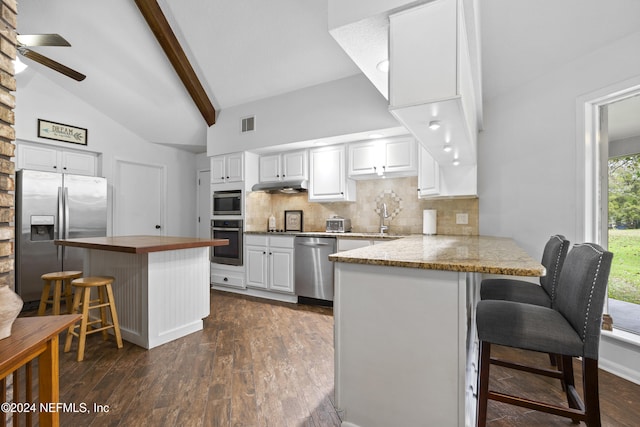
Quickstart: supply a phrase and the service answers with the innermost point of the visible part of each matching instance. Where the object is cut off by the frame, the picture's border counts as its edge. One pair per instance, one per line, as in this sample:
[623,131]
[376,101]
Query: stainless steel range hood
[284,187]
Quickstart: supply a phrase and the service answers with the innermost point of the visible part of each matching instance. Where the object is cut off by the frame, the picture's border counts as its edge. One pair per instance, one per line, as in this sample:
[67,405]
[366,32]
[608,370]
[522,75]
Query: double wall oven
[227,223]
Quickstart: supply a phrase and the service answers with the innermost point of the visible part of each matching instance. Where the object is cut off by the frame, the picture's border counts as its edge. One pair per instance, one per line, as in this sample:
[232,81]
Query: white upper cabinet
[428,174]
[431,90]
[227,168]
[397,157]
[284,167]
[328,175]
[52,159]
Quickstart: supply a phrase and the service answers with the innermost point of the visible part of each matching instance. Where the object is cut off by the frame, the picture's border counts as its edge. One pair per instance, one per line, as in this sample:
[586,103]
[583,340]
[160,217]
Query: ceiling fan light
[19,66]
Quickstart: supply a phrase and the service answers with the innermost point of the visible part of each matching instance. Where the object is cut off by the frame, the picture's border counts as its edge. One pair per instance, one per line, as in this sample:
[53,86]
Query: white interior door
[139,199]
[204,204]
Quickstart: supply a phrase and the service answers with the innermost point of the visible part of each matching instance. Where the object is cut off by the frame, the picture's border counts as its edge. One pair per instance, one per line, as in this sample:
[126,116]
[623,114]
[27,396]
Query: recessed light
[383,66]
[456,162]
[434,124]
[447,147]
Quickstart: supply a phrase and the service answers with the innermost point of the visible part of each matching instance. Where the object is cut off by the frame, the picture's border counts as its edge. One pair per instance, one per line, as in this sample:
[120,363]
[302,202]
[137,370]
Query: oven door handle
[225,229]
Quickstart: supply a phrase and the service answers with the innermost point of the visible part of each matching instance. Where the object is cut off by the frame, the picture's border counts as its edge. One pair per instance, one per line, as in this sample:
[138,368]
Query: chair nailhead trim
[593,285]
[555,272]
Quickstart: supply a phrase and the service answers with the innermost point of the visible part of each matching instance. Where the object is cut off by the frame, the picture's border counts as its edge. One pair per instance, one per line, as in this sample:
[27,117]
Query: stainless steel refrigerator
[53,206]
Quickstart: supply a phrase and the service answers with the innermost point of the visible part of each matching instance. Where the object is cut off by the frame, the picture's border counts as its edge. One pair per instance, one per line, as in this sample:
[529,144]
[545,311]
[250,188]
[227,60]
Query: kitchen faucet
[383,214]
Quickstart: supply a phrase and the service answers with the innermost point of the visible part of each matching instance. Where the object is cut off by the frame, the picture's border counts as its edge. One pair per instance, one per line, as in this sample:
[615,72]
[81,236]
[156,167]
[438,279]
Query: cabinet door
[217,170]
[256,257]
[401,156]
[281,269]
[428,174]
[234,168]
[365,158]
[270,168]
[327,174]
[37,158]
[78,163]
[294,165]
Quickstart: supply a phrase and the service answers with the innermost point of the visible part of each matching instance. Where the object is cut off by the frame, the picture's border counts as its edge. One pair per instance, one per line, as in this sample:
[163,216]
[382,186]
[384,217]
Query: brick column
[8,24]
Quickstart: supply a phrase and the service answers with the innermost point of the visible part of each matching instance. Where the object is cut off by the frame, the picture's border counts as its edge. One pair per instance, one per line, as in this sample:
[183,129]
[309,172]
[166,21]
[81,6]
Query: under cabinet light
[383,66]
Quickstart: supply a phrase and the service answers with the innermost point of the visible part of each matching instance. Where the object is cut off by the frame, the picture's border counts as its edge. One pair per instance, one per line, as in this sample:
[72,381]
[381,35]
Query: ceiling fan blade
[48,62]
[42,40]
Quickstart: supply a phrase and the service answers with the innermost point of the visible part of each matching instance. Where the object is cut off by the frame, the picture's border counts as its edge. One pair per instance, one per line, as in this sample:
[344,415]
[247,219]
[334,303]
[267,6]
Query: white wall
[39,98]
[528,152]
[340,107]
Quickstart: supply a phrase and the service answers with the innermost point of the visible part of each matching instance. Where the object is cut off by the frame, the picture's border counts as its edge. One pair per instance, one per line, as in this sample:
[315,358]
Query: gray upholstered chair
[553,257]
[570,329]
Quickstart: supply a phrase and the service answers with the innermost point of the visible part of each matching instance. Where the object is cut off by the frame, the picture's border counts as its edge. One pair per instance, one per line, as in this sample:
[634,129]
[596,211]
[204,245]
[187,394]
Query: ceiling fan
[25,40]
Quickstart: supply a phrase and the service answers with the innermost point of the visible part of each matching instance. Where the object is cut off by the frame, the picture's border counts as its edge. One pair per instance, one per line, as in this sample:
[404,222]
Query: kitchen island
[161,283]
[405,338]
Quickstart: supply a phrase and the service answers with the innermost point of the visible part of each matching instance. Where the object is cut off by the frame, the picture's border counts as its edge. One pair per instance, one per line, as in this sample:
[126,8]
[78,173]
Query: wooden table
[33,337]
[162,282]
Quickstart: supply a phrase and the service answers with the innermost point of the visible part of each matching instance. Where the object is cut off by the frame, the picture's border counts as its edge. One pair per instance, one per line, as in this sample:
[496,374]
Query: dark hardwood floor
[264,363]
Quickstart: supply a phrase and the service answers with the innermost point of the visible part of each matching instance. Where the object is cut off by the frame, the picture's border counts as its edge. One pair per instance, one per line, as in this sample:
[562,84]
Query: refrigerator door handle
[66,213]
[60,222]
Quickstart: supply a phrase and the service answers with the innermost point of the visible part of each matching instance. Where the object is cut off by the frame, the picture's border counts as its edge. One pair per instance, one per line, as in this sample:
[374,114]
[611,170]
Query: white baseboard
[620,355]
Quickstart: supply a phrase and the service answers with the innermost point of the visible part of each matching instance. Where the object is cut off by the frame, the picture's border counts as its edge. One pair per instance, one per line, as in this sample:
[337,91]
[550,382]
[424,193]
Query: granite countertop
[479,254]
[141,244]
[349,235]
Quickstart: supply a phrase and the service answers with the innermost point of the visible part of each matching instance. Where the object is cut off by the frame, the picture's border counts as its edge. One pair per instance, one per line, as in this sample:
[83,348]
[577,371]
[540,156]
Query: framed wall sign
[61,132]
[292,220]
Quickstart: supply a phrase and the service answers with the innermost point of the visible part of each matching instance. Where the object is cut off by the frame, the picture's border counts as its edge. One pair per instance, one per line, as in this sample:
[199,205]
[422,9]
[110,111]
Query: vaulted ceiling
[246,50]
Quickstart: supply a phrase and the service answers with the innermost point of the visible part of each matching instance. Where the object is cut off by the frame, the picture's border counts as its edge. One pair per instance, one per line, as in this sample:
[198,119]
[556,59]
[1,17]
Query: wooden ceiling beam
[160,27]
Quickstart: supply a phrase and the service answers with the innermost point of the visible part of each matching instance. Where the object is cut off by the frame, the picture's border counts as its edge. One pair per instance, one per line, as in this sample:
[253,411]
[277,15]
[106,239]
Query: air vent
[248,124]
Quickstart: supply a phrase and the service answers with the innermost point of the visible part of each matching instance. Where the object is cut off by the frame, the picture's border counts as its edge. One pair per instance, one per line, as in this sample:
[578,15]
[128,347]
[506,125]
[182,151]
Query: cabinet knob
[222,177]
[270,253]
[55,167]
[342,192]
[283,175]
[278,175]
[157,226]
[264,252]
[227,177]
[226,279]
[65,168]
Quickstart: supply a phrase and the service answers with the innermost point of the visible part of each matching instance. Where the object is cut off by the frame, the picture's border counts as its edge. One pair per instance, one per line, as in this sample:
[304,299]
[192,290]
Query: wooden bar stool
[61,281]
[82,298]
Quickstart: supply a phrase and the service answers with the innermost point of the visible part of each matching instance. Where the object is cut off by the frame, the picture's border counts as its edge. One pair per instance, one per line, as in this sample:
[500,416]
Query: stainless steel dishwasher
[313,270]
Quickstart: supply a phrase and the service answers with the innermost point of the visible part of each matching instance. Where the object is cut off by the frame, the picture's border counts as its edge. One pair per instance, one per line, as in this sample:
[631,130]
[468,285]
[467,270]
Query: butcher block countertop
[478,254]
[141,244]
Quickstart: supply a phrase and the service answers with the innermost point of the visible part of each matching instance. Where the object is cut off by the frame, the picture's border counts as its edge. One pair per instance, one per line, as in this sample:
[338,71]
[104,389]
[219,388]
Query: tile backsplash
[400,195]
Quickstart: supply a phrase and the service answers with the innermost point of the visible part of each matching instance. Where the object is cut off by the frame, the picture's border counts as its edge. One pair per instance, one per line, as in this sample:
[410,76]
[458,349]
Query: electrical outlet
[462,218]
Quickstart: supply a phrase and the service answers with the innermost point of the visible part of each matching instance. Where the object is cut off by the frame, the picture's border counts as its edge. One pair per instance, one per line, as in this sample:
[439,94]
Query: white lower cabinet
[269,262]
[228,275]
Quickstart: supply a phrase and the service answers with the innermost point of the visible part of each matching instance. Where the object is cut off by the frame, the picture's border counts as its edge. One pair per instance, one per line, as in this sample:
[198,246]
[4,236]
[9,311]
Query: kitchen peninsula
[405,338]
[162,283]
